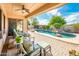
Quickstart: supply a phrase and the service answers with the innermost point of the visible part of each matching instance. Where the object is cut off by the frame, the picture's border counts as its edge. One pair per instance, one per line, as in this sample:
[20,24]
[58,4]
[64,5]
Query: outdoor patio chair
[43,45]
[35,52]
[15,32]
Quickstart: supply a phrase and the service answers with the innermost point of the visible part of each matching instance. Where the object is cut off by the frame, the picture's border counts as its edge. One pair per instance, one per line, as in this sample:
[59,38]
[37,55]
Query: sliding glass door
[14,24]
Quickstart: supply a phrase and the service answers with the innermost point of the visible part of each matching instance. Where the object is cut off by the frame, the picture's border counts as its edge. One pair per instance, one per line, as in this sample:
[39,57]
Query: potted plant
[19,39]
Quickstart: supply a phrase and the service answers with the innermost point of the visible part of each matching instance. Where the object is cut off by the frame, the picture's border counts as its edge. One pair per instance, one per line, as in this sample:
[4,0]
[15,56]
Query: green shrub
[45,27]
[76,27]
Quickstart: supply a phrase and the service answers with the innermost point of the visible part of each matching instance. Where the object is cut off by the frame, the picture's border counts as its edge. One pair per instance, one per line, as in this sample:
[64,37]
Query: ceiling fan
[23,9]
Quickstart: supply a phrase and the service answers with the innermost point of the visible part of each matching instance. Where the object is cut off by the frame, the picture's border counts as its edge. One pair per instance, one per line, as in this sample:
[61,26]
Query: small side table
[45,48]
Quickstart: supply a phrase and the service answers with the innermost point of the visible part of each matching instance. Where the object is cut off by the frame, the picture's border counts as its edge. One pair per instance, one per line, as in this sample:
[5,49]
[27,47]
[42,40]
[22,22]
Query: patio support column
[25,25]
[2,22]
[6,24]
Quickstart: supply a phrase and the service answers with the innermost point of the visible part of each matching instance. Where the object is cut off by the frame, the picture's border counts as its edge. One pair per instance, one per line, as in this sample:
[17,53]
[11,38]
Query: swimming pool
[63,35]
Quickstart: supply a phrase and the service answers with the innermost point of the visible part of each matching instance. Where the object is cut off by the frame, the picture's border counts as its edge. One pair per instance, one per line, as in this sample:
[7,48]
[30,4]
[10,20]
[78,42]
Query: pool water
[63,35]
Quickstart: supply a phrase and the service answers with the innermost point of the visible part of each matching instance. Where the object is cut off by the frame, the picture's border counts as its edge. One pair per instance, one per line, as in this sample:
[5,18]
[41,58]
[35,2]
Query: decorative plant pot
[17,45]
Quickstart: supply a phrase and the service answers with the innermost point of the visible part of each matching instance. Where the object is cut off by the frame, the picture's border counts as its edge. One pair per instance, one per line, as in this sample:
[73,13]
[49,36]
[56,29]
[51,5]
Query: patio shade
[34,8]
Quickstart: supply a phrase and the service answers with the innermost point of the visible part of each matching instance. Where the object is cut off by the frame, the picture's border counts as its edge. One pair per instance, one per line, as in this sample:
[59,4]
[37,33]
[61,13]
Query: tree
[35,22]
[57,22]
[57,25]
[46,27]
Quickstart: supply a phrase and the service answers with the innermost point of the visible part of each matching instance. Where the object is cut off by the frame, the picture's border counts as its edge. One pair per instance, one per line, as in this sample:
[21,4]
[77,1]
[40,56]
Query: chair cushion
[27,46]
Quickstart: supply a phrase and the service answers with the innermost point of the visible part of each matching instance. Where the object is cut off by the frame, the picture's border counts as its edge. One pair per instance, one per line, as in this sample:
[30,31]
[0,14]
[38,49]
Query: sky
[69,11]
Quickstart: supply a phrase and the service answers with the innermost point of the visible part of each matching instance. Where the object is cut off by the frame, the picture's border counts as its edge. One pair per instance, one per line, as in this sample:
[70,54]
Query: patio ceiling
[34,8]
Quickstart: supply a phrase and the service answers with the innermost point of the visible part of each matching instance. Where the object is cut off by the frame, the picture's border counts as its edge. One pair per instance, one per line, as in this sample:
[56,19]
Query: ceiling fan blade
[27,10]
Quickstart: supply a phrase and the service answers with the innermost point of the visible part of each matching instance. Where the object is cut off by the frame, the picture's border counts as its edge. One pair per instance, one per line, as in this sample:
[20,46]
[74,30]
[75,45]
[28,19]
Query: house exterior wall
[4,30]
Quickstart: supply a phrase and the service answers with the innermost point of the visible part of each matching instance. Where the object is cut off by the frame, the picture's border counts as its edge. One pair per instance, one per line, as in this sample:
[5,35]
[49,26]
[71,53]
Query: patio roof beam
[46,7]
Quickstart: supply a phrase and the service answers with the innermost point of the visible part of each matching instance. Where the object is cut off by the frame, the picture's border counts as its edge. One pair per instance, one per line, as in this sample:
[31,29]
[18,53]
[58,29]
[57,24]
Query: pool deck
[59,47]
[74,40]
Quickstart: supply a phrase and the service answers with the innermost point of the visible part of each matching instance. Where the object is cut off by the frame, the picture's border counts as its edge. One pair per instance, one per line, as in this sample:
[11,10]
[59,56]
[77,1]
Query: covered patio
[13,16]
